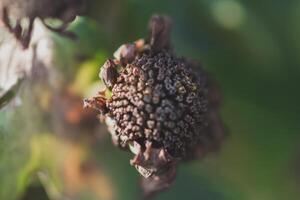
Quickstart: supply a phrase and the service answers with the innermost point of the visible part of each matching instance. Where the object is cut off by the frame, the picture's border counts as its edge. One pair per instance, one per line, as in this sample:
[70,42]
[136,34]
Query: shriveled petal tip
[89,103]
[160,31]
[145,172]
[109,73]
[126,54]
[154,184]
[150,161]
[97,103]
[140,45]
[135,147]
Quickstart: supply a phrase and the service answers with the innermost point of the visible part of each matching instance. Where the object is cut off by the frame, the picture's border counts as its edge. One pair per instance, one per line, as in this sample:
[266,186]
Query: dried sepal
[109,73]
[160,29]
[141,45]
[150,186]
[126,54]
[97,102]
[151,161]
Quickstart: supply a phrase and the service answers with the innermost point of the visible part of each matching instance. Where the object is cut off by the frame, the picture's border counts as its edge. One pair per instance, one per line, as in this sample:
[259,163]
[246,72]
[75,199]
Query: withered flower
[14,11]
[162,108]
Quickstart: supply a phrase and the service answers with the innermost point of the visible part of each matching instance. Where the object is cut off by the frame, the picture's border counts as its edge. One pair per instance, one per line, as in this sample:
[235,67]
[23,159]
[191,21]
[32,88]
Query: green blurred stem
[10,94]
[50,188]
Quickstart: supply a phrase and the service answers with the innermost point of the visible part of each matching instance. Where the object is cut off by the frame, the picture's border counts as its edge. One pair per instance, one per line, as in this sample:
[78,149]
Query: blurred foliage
[251,47]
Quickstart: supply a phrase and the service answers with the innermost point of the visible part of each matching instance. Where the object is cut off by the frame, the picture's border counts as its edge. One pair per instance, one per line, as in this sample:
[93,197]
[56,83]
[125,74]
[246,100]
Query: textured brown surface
[159,99]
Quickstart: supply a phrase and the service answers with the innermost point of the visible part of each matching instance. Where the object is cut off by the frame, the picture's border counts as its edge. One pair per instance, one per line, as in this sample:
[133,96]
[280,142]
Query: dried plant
[14,14]
[162,108]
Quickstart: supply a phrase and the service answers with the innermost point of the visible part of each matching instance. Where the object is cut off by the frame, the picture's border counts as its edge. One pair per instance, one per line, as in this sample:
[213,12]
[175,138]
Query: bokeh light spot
[228,13]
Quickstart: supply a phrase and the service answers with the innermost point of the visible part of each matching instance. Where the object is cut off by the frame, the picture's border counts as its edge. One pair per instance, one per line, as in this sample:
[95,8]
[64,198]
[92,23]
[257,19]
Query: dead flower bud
[162,108]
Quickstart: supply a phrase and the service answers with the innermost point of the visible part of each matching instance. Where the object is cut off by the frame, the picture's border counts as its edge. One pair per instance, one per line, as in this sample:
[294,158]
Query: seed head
[158,98]
[162,108]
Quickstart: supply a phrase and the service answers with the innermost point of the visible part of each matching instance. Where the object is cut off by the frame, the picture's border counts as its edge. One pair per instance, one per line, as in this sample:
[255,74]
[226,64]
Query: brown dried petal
[126,54]
[151,161]
[98,103]
[109,73]
[160,28]
[154,184]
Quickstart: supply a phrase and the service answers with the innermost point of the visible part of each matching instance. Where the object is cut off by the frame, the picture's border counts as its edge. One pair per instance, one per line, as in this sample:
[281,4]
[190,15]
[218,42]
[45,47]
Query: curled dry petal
[151,161]
[156,183]
[160,29]
[98,103]
[126,54]
[109,73]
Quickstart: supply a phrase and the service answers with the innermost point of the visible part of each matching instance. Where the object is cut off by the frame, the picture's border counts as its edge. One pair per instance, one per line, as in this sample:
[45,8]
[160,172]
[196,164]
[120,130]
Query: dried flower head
[163,108]
[14,11]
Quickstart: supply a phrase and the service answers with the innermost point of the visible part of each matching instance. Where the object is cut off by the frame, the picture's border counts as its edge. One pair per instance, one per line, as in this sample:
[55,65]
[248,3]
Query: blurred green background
[49,149]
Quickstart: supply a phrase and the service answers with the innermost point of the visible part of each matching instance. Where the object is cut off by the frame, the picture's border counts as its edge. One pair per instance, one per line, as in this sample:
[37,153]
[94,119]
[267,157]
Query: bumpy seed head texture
[162,108]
